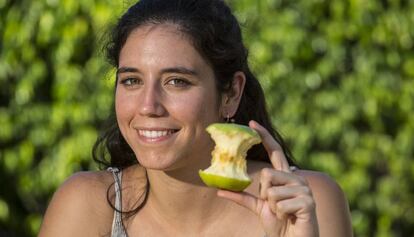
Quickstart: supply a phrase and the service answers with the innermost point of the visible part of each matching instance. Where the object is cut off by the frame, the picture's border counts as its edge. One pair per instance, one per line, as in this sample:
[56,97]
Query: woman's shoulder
[332,207]
[321,184]
[86,185]
[79,207]
[331,204]
[89,179]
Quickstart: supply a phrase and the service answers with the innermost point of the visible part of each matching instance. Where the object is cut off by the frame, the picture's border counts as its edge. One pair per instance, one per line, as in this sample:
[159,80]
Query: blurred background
[338,77]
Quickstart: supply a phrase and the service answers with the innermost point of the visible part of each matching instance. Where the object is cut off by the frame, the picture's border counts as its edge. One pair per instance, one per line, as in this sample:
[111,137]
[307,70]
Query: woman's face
[165,98]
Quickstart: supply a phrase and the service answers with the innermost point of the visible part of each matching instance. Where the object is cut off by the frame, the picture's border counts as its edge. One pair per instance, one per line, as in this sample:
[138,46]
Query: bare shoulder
[321,183]
[332,208]
[324,188]
[79,207]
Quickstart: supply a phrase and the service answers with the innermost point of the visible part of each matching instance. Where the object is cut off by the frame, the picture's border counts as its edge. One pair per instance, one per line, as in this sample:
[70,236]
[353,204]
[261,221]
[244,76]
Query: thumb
[244,199]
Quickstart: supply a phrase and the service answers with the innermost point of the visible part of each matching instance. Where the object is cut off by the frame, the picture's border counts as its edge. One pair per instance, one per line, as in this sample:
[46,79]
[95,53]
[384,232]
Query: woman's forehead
[167,33]
[161,46]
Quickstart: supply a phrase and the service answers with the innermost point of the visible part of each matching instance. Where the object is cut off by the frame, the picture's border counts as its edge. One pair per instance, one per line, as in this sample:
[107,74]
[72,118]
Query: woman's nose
[150,104]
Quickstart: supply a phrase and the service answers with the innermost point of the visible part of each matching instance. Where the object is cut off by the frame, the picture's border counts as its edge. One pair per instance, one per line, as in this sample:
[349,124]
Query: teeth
[154,134]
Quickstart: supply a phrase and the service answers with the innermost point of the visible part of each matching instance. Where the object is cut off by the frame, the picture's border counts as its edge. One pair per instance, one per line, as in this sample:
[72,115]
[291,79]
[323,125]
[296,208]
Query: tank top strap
[293,168]
[118,229]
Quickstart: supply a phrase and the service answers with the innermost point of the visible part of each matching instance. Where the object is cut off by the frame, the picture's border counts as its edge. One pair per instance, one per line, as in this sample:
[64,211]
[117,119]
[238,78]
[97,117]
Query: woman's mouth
[156,135]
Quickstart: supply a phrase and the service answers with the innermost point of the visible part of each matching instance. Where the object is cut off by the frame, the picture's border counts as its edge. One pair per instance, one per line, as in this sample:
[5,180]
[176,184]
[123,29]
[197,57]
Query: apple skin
[228,169]
[222,182]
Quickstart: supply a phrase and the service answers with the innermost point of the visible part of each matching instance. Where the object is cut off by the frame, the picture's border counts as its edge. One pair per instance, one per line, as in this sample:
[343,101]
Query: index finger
[273,148]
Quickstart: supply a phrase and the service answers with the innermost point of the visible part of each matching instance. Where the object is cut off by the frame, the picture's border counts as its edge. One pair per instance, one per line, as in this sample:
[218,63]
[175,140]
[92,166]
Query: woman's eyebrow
[180,70]
[126,69]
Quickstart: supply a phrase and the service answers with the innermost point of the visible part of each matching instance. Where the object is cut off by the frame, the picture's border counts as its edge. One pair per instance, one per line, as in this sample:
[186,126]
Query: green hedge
[338,77]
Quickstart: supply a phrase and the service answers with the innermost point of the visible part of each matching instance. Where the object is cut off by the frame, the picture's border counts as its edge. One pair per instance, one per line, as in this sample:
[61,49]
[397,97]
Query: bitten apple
[228,168]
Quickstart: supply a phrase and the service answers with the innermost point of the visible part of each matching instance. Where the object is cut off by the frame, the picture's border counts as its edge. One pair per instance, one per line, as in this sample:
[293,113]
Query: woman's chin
[159,163]
[177,168]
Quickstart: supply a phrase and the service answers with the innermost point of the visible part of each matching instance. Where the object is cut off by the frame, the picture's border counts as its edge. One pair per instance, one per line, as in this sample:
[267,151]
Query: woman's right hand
[285,204]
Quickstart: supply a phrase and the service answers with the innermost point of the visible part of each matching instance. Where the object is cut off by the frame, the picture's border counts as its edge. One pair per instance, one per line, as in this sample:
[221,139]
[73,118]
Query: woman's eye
[177,82]
[130,81]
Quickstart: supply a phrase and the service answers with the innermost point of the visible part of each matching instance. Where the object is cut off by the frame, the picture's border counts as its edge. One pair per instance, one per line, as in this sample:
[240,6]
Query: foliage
[339,81]
[338,77]
[55,92]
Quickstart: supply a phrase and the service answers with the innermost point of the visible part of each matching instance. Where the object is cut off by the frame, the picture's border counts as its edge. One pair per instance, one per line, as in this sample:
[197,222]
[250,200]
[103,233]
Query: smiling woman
[181,66]
[165,95]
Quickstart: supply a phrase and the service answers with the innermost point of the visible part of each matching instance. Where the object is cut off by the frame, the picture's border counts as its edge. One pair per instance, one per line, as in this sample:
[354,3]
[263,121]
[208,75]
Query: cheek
[118,104]
[197,108]
[123,107]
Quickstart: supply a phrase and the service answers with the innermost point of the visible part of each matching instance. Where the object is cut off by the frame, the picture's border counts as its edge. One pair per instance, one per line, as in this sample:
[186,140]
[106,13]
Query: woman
[182,65]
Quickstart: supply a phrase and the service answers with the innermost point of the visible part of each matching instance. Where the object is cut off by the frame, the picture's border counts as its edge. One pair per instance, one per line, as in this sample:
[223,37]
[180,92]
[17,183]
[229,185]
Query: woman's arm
[78,208]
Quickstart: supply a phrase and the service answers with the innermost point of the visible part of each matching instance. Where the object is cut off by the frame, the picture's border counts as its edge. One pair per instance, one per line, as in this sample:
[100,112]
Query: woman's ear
[231,99]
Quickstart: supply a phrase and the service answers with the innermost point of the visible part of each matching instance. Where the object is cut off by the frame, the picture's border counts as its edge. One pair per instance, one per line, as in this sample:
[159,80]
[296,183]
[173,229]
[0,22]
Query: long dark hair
[215,33]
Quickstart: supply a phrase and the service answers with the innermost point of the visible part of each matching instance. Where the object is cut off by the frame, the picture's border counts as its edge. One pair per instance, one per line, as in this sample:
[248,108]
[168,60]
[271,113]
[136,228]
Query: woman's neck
[178,199]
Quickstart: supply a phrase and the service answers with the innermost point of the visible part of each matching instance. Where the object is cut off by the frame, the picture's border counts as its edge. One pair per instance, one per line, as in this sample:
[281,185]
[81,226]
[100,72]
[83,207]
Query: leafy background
[338,76]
